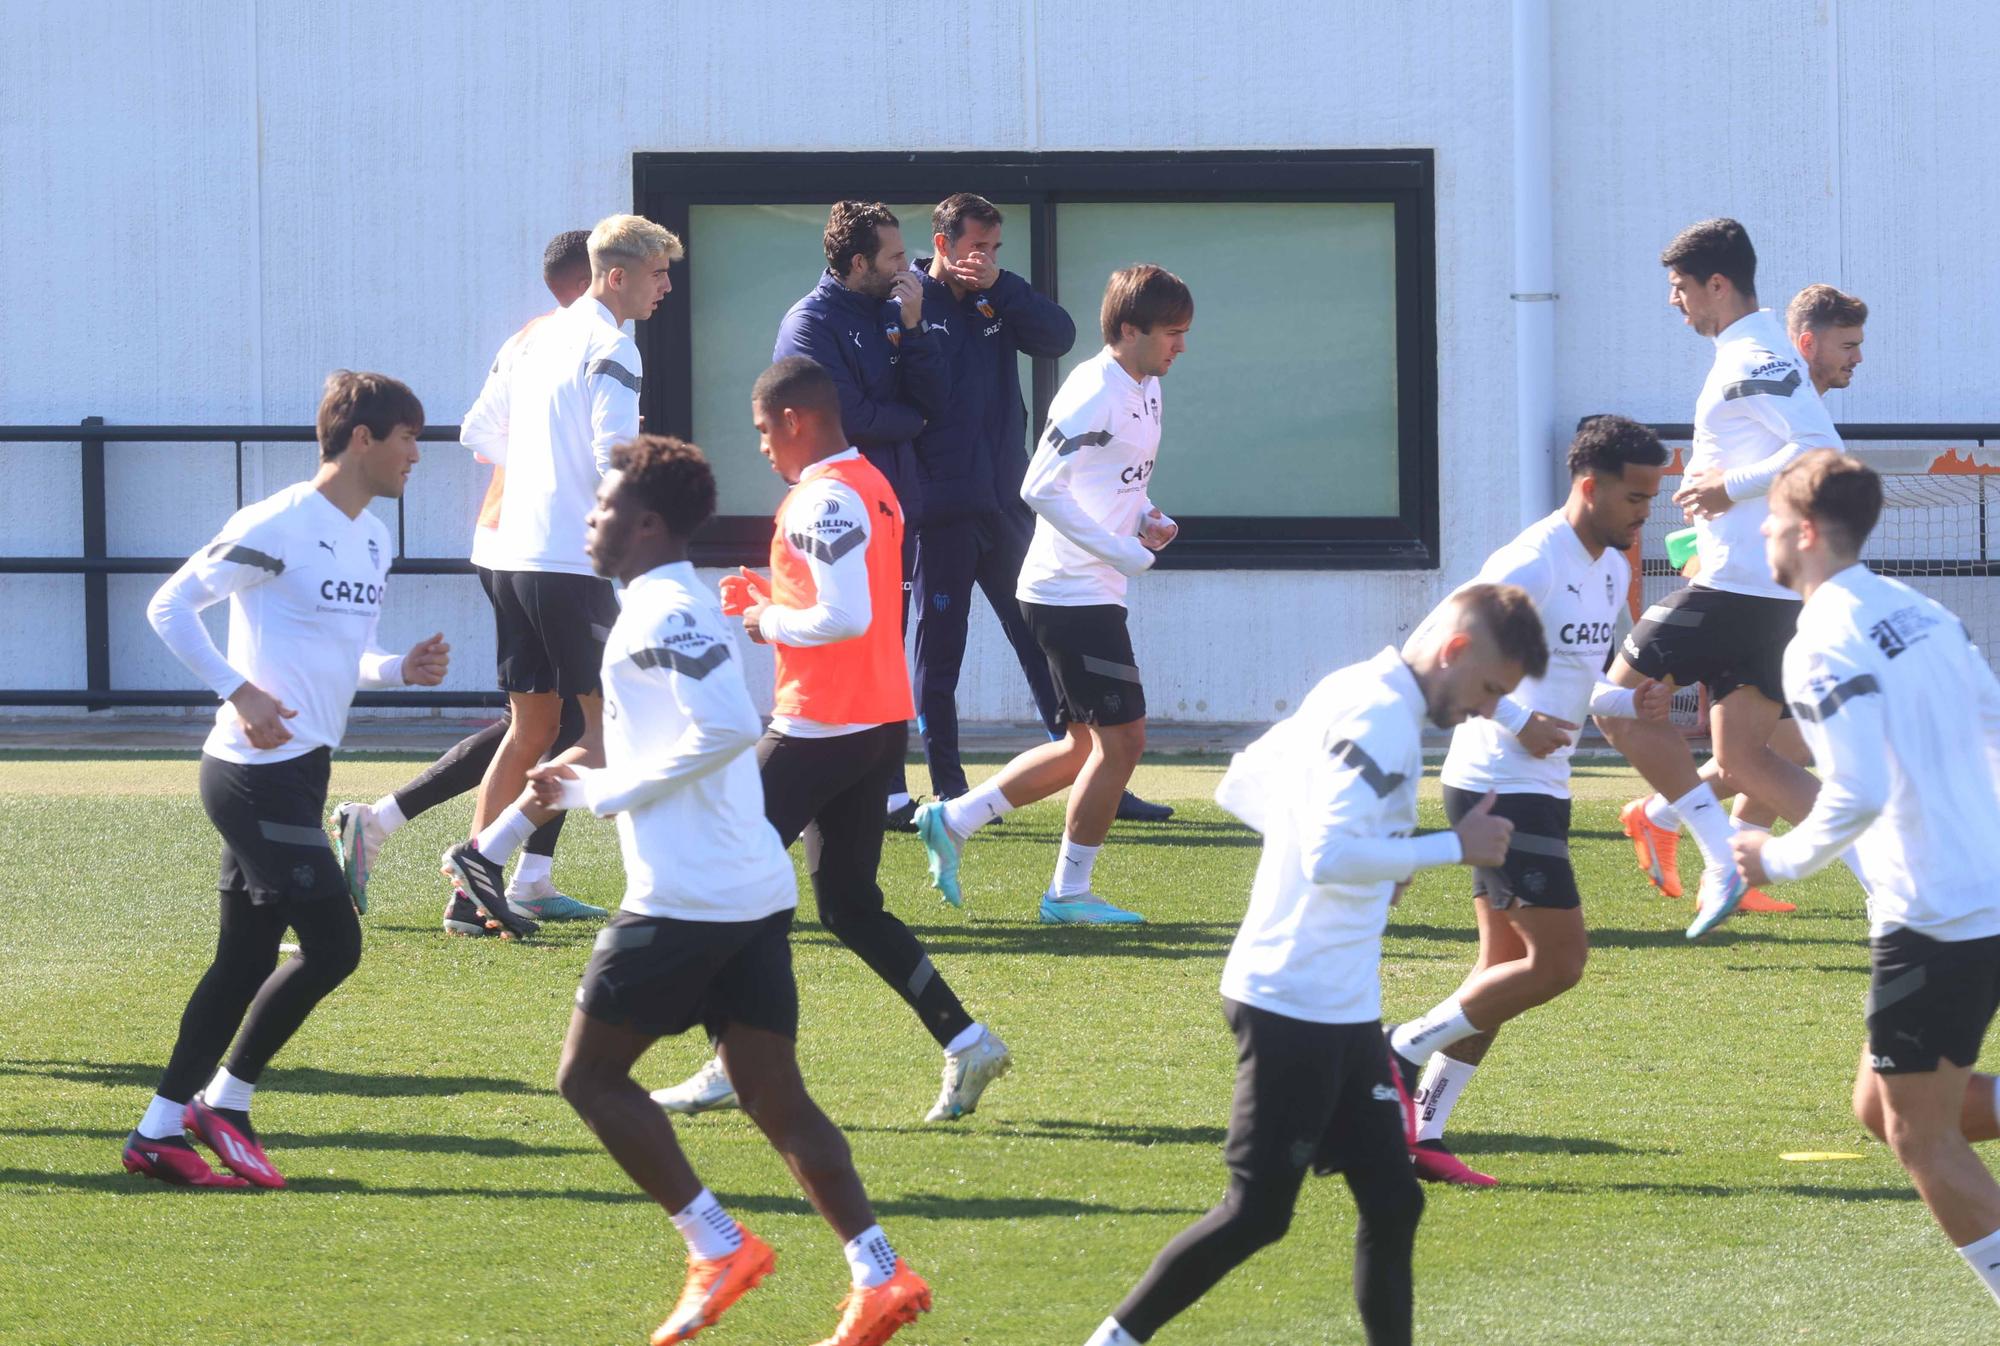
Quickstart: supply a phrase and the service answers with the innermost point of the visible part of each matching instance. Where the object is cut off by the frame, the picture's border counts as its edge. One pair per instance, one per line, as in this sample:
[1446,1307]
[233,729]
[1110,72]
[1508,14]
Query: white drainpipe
[1534,296]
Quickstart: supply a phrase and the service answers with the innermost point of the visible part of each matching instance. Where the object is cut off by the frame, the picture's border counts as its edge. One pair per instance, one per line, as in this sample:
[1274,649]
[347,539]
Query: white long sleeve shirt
[1581,600]
[826,525]
[1757,411]
[679,775]
[1087,484]
[1903,717]
[572,394]
[1334,791]
[483,428]
[304,584]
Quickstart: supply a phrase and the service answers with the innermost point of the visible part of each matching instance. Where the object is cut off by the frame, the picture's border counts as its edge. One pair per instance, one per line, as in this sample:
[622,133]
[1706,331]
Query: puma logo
[329,549]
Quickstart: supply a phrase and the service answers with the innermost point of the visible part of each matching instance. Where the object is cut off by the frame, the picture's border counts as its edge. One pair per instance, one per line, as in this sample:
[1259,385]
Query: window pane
[1285,402]
[747,266]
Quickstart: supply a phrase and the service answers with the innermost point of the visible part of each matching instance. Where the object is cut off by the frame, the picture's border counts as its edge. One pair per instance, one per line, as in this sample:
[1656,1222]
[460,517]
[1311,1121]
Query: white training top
[1903,717]
[1087,486]
[483,429]
[572,393]
[678,772]
[1582,604]
[1757,411]
[304,584]
[826,525]
[1334,791]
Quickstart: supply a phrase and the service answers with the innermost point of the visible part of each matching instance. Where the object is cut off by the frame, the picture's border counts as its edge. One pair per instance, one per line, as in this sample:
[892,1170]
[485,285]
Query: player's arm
[1794,414]
[241,557]
[612,382]
[1041,327]
[834,544]
[484,428]
[1049,489]
[923,373]
[1986,690]
[867,420]
[1838,702]
[1338,810]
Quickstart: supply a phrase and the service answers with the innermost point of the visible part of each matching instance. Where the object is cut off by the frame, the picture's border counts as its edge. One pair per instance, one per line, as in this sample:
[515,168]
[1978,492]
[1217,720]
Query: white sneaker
[1722,890]
[967,1074]
[707,1090]
[542,901]
[360,837]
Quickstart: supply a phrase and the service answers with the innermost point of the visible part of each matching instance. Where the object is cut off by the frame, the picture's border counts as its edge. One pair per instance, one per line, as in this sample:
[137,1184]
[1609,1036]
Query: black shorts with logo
[1090,657]
[1716,638]
[549,629]
[662,975]
[272,819]
[1930,999]
[1537,871]
[1309,1095]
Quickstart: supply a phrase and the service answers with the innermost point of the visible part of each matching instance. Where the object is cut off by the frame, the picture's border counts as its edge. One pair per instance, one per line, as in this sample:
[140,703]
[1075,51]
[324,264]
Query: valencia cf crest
[985,307]
[1610,590]
[893,331]
[374,553]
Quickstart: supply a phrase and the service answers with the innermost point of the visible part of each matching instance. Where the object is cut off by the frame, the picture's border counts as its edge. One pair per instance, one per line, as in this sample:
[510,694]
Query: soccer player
[864,324]
[574,393]
[361,829]
[1096,527]
[1903,716]
[702,936]
[304,571]
[1726,630]
[1532,943]
[1334,791]
[830,612]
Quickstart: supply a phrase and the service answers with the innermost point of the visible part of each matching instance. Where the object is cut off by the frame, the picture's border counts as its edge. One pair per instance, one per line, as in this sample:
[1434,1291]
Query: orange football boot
[1657,848]
[1755,900]
[713,1284]
[870,1317]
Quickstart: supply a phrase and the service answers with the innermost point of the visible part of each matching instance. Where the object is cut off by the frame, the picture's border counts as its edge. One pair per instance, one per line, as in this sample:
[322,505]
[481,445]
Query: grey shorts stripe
[1662,615]
[1104,667]
[1899,990]
[1530,844]
[291,834]
[625,937]
[923,975]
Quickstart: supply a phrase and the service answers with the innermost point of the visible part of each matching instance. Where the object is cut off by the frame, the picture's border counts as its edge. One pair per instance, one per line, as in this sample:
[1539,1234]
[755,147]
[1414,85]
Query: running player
[1532,944]
[1728,629]
[1096,527]
[574,393]
[304,571]
[832,612]
[702,936]
[1334,791]
[1903,716]
[360,829]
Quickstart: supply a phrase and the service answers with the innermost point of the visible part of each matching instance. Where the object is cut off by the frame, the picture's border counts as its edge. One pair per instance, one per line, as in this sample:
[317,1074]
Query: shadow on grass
[1602,937]
[1062,1128]
[1510,1142]
[1179,939]
[915,1205]
[1853,969]
[485,1147]
[1750,1190]
[1185,833]
[294,1080]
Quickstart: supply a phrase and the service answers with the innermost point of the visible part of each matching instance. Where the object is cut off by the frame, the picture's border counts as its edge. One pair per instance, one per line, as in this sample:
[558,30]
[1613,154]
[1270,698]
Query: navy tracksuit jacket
[972,528]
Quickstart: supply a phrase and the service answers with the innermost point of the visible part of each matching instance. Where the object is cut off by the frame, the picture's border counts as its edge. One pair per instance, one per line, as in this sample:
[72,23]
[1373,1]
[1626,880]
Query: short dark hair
[1837,491]
[1144,295]
[799,383]
[959,209]
[1507,615]
[854,229]
[1719,246]
[567,253]
[1818,307]
[669,476]
[1610,444]
[374,400]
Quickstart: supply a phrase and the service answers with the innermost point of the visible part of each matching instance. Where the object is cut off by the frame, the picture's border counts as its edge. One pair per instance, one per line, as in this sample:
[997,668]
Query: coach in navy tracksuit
[973,528]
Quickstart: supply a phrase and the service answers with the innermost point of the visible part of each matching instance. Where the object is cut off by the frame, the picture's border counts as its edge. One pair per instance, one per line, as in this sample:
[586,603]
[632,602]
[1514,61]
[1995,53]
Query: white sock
[1709,821]
[1442,1086]
[1109,1333]
[706,1226]
[1984,1259]
[531,871]
[965,1039]
[1444,1024]
[505,835]
[226,1091]
[870,1259]
[1661,814]
[974,809]
[898,799]
[388,814]
[1073,865]
[162,1120]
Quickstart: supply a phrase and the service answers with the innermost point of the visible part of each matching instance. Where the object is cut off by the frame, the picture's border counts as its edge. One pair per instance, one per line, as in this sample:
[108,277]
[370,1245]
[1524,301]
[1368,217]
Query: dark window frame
[667,185]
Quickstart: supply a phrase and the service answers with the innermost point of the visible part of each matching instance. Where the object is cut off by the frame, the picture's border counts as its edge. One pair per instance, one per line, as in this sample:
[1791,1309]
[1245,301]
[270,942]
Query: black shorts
[1090,657]
[662,976]
[272,819]
[1309,1094]
[1536,872]
[549,629]
[1930,998]
[1718,639]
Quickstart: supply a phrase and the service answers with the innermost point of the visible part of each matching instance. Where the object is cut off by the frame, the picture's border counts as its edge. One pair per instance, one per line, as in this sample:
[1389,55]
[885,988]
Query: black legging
[464,764]
[242,979]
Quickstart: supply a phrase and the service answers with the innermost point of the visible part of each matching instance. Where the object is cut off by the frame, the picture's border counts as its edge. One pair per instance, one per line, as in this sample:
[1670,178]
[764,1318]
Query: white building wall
[206,207]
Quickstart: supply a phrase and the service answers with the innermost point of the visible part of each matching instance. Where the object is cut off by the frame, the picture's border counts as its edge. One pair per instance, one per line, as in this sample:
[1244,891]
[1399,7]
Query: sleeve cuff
[1512,716]
[1437,848]
[576,793]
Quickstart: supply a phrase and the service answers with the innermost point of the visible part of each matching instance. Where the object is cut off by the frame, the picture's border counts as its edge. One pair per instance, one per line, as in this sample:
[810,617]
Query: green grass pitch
[442,1192]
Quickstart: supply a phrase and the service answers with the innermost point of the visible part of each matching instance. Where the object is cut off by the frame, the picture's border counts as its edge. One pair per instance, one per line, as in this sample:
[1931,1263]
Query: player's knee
[1123,742]
[1562,969]
[1868,1106]
[1917,1144]
[1390,1205]
[1257,1218]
